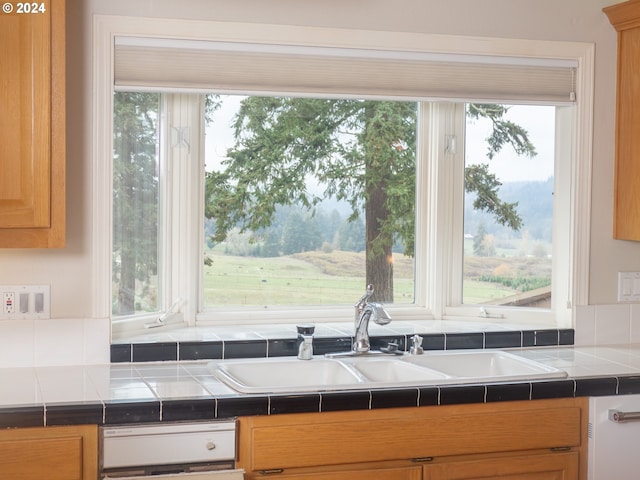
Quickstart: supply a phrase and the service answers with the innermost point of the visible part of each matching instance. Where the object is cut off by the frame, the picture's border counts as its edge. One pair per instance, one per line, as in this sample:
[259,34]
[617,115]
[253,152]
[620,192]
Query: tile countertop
[186,391]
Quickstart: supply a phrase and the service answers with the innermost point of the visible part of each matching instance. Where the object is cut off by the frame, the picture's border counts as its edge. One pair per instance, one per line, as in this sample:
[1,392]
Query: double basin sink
[272,375]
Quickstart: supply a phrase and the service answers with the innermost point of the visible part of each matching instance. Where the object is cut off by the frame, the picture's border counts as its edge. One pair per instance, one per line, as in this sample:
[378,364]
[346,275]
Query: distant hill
[535,207]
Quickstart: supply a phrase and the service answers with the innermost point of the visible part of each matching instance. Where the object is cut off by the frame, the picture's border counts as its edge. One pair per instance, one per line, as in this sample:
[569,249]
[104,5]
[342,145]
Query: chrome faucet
[365,311]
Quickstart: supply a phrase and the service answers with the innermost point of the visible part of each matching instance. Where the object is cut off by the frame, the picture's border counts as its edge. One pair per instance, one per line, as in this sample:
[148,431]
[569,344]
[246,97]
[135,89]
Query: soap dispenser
[305,341]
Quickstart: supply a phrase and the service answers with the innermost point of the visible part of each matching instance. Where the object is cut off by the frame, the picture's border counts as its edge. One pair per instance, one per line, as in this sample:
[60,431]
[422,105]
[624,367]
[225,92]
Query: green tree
[477,177]
[478,240]
[300,234]
[360,151]
[135,196]
[351,236]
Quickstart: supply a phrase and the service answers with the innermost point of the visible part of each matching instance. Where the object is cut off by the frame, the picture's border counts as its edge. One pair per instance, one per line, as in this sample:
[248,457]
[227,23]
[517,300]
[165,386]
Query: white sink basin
[484,366]
[286,375]
[432,368]
[393,371]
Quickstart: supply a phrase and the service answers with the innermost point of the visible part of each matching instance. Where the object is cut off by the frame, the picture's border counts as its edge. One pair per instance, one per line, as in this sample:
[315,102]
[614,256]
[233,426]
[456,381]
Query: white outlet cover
[628,286]
[32,292]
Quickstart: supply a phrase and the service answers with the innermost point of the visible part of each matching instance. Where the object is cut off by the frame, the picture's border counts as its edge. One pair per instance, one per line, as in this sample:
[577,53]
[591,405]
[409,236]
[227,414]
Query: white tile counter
[166,391]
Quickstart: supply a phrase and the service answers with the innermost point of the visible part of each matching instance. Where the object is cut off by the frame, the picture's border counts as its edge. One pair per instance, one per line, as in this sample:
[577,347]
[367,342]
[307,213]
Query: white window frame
[433,284]
[445,183]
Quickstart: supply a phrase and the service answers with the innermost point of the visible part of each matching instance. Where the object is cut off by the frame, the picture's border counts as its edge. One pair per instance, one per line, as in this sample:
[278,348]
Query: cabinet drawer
[401,473]
[299,440]
[51,453]
[549,466]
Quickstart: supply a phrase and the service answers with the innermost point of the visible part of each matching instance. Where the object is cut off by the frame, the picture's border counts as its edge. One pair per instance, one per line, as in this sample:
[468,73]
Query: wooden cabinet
[625,17]
[543,439]
[400,473]
[51,453]
[546,466]
[32,125]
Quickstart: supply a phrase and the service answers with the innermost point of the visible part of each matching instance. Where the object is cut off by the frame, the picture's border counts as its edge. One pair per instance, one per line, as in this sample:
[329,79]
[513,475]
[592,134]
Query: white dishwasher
[195,450]
[614,433]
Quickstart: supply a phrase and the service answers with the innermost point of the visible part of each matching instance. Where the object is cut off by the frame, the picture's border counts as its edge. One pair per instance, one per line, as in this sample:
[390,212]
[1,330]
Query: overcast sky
[538,121]
[540,124]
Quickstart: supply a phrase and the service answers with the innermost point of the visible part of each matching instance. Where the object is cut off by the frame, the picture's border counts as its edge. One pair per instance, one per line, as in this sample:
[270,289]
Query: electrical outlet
[25,302]
[9,303]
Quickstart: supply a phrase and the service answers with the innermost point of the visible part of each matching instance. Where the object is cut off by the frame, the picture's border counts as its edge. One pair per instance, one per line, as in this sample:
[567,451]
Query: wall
[68,271]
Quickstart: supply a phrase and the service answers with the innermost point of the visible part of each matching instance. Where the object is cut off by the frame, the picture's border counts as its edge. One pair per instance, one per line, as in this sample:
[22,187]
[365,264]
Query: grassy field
[318,278]
[312,278]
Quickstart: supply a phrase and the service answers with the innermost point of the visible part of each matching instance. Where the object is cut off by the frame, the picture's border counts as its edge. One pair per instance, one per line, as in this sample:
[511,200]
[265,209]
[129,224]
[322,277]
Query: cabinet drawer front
[406,473]
[49,453]
[364,436]
[551,466]
[51,459]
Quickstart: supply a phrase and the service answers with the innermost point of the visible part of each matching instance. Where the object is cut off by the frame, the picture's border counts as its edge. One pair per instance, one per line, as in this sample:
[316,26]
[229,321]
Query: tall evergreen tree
[360,151]
[135,200]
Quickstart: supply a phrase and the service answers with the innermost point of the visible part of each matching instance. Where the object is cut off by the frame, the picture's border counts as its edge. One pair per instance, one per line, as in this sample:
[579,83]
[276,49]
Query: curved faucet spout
[360,304]
[366,311]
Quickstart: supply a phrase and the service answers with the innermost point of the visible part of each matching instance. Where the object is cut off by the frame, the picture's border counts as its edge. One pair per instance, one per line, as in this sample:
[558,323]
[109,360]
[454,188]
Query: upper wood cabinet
[625,17]
[32,125]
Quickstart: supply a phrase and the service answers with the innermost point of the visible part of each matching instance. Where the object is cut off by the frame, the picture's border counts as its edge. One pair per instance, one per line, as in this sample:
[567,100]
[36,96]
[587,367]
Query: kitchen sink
[393,371]
[485,365]
[286,375]
[433,368]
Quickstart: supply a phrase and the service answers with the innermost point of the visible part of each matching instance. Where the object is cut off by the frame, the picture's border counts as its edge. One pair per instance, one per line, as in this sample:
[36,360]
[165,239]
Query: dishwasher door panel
[613,447]
[180,448]
[161,444]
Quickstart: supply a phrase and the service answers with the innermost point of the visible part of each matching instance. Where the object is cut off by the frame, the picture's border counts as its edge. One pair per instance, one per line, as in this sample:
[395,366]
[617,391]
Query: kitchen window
[437,288]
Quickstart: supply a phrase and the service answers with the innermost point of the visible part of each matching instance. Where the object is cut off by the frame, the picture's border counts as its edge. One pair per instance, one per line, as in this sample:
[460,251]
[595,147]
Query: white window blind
[170,64]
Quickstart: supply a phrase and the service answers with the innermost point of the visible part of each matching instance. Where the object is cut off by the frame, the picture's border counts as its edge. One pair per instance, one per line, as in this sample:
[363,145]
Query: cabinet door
[403,473]
[625,17]
[551,466]
[32,125]
[25,70]
[51,453]
[340,438]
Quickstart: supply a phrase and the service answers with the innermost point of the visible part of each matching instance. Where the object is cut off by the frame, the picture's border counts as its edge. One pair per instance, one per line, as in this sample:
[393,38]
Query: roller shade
[169,64]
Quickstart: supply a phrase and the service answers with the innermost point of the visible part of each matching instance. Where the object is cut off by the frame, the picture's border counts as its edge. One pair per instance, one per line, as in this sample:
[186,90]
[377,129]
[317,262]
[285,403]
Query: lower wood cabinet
[536,440]
[547,466]
[401,473]
[51,453]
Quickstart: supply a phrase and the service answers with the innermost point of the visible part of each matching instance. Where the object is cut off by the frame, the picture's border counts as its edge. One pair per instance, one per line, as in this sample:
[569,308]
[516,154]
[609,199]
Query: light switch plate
[25,302]
[628,286]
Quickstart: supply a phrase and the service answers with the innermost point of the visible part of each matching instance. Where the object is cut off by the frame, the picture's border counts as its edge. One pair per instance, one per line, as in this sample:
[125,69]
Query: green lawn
[480,292]
[235,280]
[322,278]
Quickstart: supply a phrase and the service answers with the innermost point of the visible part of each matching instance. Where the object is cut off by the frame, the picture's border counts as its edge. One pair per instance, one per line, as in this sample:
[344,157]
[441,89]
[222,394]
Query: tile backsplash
[214,343]
[608,324]
[53,342]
